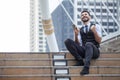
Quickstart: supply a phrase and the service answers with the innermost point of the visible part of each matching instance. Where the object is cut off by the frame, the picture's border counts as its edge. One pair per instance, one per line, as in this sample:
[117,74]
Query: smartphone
[74,27]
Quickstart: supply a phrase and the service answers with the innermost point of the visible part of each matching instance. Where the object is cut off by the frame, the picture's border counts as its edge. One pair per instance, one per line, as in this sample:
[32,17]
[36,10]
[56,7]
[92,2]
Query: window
[40,30]
[79,9]
[98,4]
[40,37]
[104,23]
[79,23]
[97,10]
[110,23]
[104,10]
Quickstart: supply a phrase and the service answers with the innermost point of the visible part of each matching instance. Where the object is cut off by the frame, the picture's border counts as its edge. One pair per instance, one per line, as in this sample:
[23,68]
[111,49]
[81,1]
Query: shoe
[84,71]
[79,63]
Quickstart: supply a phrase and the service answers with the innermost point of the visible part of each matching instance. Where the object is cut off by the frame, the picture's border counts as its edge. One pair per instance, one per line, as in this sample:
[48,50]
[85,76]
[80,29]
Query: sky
[15,25]
[53,4]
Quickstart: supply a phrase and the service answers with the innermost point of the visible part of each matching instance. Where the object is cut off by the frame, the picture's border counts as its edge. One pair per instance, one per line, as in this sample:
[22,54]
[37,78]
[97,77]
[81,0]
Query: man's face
[85,17]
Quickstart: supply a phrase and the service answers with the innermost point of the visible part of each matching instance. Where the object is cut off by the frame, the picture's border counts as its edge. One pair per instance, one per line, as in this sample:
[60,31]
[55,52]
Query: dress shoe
[84,71]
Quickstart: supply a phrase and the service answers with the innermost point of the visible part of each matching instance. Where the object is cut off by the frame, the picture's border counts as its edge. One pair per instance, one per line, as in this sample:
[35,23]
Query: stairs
[56,66]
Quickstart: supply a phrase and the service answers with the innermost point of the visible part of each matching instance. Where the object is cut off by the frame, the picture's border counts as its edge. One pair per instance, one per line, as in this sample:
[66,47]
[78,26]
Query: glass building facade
[62,23]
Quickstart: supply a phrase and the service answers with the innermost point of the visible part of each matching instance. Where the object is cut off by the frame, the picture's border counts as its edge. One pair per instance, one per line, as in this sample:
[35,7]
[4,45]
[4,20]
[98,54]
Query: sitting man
[86,44]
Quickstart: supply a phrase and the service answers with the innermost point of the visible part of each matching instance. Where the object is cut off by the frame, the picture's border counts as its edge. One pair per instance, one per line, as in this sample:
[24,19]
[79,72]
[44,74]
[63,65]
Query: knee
[67,41]
[88,44]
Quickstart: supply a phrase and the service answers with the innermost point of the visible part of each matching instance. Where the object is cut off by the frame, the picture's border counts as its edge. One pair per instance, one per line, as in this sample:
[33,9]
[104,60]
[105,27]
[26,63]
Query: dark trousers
[88,52]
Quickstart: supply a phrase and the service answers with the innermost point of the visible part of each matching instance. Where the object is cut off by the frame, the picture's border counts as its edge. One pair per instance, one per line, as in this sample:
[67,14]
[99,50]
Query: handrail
[111,36]
[111,14]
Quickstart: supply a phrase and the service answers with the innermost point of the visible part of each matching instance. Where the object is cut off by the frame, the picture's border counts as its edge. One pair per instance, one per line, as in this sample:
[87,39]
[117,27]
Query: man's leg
[91,52]
[76,50]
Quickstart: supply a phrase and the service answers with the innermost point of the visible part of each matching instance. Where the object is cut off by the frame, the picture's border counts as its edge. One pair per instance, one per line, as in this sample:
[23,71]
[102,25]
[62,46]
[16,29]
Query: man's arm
[76,32]
[98,38]
[76,39]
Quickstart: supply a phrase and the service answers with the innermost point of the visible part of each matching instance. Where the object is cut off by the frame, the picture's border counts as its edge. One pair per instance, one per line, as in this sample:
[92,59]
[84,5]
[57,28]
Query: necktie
[86,28]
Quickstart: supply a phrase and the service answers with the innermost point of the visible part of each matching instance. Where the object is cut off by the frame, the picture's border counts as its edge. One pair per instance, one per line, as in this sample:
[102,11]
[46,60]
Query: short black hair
[86,11]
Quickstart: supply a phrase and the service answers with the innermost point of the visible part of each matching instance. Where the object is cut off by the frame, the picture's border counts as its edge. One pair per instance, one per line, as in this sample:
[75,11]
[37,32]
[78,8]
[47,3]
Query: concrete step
[95,77]
[50,62]
[90,77]
[102,55]
[24,55]
[93,70]
[57,77]
[25,62]
[23,70]
[46,59]
[26,77]
[15,55]
[97,62]
[98,70]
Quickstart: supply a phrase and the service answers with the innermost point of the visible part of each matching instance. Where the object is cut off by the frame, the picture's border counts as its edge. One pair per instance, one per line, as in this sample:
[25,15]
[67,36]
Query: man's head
[85,16]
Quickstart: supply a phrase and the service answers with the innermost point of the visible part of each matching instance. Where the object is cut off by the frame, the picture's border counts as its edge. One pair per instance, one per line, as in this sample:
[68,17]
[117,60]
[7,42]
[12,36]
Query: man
[86,44]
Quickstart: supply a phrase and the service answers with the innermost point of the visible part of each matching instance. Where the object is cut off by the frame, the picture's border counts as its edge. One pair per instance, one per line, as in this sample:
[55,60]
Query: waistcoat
[88,37]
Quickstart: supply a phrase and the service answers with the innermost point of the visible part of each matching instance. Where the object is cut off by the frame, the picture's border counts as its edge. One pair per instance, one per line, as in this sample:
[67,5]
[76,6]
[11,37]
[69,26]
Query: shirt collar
[87,24]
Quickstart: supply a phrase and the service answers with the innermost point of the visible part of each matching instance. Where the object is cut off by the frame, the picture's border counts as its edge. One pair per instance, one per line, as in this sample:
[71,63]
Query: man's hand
[76,31]
[93,28]
[97,37]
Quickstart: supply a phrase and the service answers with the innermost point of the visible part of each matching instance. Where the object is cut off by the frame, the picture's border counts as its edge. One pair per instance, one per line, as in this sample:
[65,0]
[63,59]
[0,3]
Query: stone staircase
[56,66]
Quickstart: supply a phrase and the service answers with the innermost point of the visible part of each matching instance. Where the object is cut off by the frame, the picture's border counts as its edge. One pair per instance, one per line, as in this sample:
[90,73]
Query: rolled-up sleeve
[99,30]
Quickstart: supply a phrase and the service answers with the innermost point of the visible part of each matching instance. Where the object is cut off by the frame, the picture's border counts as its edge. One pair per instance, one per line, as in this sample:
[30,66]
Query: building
[37,37]
[62,23]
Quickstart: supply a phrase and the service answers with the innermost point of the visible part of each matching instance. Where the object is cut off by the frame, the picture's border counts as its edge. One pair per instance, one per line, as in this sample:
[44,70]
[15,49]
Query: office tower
[62,23]
[37,37]
[104,12]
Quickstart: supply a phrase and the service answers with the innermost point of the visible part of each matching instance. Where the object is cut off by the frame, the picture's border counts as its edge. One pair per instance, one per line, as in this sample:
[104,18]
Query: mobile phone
[74,27]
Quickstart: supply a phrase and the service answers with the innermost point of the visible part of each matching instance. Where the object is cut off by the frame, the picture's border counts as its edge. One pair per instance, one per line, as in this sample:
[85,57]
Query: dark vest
[88,37]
